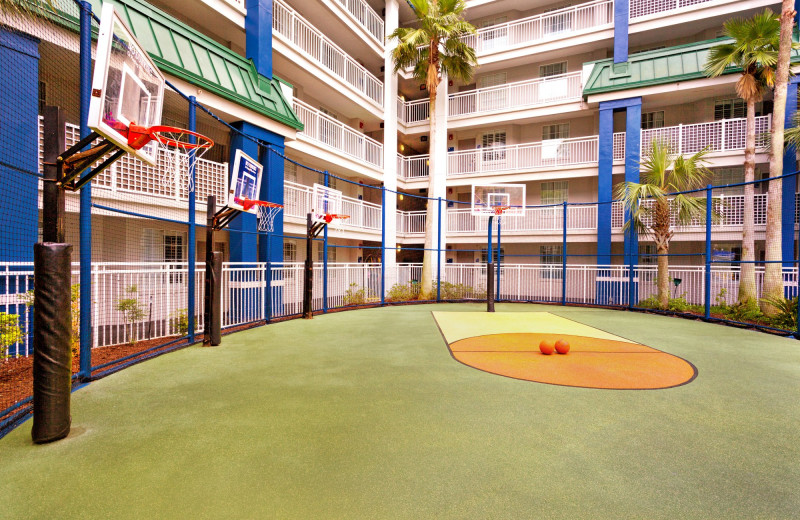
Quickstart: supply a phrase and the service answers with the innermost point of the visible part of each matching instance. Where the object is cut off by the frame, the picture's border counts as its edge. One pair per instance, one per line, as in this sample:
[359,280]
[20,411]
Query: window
[646,252]
[289,171]
[551,255]
[558,131]
[289,252]
[491,37]
[493,99]
[723,176]
[491,140]
[492,80]
[652,120]
[164,247]
[722,252]
[494,255]
[331,254]
[552,69]
[555,192]
[729,109]
[174,247]
[42,96]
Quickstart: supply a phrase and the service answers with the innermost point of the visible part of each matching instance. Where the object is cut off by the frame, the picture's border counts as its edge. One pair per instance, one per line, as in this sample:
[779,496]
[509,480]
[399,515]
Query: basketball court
[366,414]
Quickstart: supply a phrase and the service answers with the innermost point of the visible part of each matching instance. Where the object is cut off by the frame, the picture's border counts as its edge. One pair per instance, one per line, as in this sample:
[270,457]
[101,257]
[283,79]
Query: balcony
[167,180]
[331,133]
[413,167]
[366,16]
[554,25]
[546,219]
[531,93]
[725,135]
[303,36]
[640,8]
[411,223]
[729,207]
[364,216]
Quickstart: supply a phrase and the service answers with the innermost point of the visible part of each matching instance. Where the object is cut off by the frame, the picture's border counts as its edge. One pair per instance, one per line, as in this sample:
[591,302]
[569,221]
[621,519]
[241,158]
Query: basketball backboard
[127,87]
[326,201]
[245,181]
[508,199]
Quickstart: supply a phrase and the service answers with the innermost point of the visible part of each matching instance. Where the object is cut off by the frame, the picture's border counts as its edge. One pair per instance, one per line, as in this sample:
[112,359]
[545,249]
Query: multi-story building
[565,99]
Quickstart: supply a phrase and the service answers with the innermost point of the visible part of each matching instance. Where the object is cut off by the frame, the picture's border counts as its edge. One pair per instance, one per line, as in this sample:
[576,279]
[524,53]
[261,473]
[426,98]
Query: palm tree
[754,50]
[434,48]
[653,207]
[773,272]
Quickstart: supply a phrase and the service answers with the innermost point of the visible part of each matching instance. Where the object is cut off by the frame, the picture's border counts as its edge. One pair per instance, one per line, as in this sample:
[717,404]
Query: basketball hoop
[499,210]
[266,212]
[335,221]
[179,139]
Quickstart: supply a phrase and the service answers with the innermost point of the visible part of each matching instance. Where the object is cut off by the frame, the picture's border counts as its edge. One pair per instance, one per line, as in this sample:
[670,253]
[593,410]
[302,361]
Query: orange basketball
[546,347]
[562,346]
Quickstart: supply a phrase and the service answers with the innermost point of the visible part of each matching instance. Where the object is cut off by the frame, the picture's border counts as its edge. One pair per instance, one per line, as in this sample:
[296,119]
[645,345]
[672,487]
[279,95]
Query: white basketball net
[266,217]
[178,161]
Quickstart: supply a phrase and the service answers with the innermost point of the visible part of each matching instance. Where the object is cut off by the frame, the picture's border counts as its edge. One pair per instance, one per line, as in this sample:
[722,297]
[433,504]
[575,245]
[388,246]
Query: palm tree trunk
[773,275]
[426,278]
[747,279]
[661,234]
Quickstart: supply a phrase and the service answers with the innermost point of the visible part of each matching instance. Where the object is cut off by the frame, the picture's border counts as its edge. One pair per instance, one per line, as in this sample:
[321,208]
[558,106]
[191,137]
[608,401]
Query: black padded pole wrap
[52,335]
[214,336]
[489,287]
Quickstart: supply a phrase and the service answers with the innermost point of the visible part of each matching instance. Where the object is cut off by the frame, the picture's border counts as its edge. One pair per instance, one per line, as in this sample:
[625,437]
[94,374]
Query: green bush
[180,321]
[786,318]
[403,292]
[75,294]
[355,295]
[10,332]
[132,310]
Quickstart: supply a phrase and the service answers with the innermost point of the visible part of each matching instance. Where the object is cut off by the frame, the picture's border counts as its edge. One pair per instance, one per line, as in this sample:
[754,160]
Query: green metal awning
[657,67]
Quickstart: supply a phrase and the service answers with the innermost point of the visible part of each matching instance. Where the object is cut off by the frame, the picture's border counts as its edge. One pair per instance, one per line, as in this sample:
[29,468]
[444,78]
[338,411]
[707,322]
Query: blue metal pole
[85,220]
[497,249]
[709,207]
[192,253]
[564,255]
[439,254]
[327,181]
[489,245]
[383,245]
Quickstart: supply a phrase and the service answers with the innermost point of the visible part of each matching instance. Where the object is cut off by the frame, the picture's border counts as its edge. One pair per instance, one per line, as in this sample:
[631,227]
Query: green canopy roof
[657,67]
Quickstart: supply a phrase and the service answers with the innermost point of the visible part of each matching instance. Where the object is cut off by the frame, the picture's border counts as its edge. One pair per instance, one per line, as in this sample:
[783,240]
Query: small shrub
[403,292]
[10,332]
[132,310]
[786,318]
[75,294]
[355,295]
[180,321]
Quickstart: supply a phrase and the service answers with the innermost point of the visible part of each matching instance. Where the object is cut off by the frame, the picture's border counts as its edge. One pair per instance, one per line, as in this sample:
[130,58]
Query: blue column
[633,125]
[621,31]
[604,183]
[258,36]
[86,199]
[19,108]
[789,183]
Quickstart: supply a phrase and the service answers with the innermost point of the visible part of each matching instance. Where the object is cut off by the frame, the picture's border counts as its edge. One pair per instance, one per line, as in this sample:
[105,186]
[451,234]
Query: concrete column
[390,172]
[604,184]
[440,179]
[633,127]
[621,16]
[789,183]
[258,34]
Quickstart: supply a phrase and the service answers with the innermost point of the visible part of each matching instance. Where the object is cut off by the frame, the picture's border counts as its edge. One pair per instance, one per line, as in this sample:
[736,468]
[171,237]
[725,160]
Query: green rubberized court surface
[364,414]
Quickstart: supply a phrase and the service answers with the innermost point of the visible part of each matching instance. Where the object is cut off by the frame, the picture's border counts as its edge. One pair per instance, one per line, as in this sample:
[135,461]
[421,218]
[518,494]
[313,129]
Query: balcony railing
[560,23]
[545,154]
[529,93]
[411,222]
[639,8]
[335,134]
[543,219]
[166,180]
[729,207]
[366,16]
[238,4]
[411,112]
[413,167]
[297,202]
[288,23]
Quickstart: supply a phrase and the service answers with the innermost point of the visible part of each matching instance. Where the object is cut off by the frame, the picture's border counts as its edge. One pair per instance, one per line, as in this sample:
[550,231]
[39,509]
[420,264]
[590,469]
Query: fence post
[192,253]
[85,253]
[709,207]
[489,271]
[497,278]
[383,245]
[439,253]
[327,177]
[564,254]
[268,297]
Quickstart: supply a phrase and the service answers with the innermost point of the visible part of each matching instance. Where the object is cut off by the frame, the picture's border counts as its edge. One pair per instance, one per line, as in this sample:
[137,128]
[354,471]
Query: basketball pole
[308,278]
[212,298]
[490,271]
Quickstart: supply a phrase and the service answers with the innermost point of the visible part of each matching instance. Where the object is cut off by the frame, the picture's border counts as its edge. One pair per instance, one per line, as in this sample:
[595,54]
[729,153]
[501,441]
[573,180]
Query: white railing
[411,222]
[545,154]
[529,93]
[297,202]
[167,179]
[288,23]
[239,5]
[543,219]
[730,210]
[412,112]
[619,146]
[557,24]
[640,8]
[366,16]
[413,166]
[335,134]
